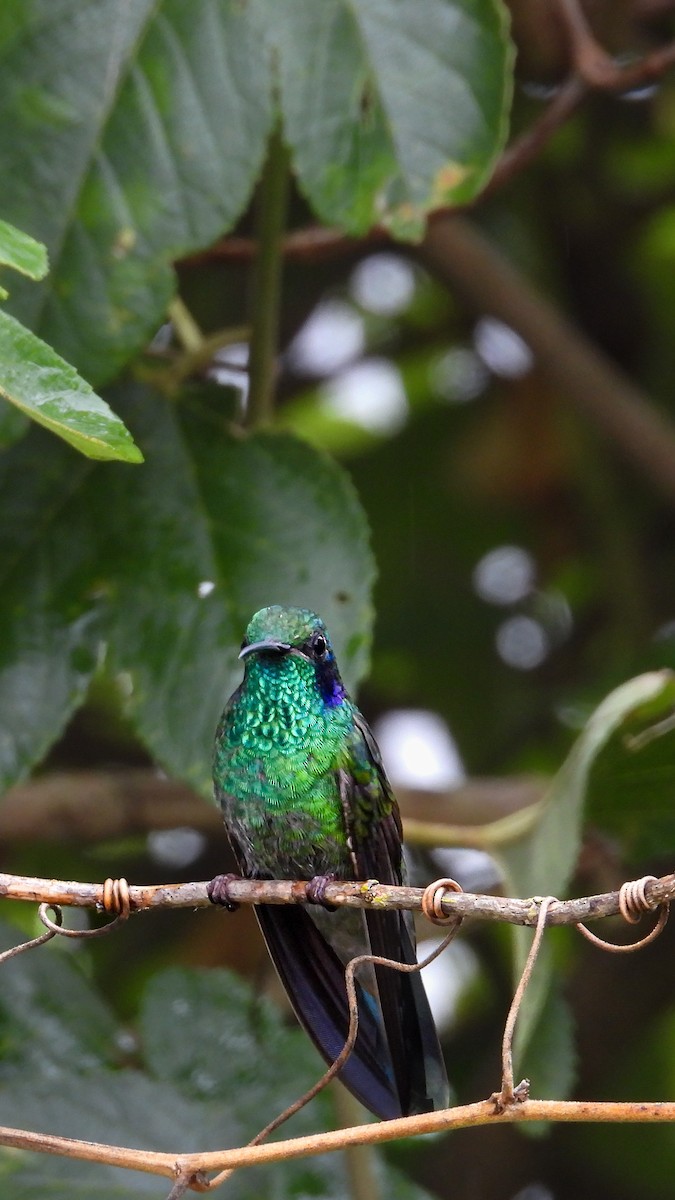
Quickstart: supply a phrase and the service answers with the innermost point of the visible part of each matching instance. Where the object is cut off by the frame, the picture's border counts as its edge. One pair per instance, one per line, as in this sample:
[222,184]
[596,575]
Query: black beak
[270,647]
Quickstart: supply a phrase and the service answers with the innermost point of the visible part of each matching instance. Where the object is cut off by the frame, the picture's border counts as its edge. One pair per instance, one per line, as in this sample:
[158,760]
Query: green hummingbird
[304,795]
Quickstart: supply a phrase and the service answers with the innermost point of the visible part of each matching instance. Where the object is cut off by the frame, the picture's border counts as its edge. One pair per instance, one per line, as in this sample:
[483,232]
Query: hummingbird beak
[270,647]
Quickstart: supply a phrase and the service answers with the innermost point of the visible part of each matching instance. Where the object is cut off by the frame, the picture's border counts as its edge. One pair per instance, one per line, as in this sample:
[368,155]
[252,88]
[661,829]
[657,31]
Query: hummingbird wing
[374,824]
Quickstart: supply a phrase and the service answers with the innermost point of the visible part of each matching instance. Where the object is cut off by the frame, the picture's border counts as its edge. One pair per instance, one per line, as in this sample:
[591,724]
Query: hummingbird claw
[218,892]
[316,891]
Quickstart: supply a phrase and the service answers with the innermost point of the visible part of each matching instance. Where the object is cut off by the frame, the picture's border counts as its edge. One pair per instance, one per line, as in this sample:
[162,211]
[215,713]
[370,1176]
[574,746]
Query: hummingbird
[304,795]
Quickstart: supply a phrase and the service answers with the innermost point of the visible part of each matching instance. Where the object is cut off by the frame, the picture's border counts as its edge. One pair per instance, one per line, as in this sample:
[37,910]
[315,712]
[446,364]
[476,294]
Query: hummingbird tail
[313,977]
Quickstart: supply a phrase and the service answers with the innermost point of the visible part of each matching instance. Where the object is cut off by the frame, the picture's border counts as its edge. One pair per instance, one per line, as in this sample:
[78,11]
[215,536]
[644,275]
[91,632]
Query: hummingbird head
[295,633]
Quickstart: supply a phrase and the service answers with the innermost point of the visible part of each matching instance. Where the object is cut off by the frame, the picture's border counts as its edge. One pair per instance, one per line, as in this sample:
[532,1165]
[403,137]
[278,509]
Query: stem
[266,282]
[186,328]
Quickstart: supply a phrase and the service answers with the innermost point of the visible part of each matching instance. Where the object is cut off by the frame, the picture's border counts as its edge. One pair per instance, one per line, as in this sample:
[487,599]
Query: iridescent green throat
[278,751]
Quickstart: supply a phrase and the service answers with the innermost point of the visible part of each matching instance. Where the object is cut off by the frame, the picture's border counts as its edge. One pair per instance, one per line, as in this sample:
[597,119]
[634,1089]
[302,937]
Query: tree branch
[458,252]
[597,68]
[346,894]
[94,806]
[461,1117]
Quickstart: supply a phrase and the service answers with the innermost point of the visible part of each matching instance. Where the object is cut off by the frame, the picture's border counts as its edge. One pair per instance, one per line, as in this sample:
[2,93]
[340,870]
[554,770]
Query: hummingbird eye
[320,645]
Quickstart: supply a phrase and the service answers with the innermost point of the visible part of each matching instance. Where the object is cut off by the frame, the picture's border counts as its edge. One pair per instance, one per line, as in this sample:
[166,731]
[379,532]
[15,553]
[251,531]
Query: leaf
[44,387]
[632,780]
[214,1063]
[163,567]
[21,252]
[399,110]
[542,864]
[50,1019]
[149,121]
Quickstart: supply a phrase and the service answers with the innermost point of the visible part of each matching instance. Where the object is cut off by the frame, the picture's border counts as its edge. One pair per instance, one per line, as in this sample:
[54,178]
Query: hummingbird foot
[316,891]
[218,891]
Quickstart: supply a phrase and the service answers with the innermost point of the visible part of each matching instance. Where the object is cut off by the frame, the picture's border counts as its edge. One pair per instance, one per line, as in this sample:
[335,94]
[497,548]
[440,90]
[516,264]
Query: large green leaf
[542,864]
[160,570]
[130,134]
[35,379]
[213,1064]
[632,781]
[397,110]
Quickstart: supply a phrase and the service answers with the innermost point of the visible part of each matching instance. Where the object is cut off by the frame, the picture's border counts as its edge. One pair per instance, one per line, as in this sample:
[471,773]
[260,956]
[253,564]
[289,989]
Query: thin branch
[462,1117]
[510,1095]
[597,68]
[531,142]
[345,894]
[187,330]
[266,283]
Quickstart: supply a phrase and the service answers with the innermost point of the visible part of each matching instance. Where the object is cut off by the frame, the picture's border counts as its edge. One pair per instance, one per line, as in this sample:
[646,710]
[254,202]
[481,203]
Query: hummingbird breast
[278,752]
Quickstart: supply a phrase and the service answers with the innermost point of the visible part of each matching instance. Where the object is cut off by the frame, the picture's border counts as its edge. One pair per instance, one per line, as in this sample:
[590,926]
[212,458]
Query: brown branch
[341,894]
[584,377]
[94,806]
[462,1117]
[531,142]
[597,68]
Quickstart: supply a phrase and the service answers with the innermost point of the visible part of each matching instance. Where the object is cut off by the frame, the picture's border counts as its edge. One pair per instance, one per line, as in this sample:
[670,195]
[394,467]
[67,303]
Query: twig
[345,894]
[597,68]
[266,283]
[187,330]
[528,145]
[510,1095]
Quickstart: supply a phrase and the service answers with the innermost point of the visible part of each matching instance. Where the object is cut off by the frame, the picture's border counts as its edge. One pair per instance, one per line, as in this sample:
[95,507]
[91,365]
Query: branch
[95,806]
[344,894]
[457,252]
[597,68]
[462,1117]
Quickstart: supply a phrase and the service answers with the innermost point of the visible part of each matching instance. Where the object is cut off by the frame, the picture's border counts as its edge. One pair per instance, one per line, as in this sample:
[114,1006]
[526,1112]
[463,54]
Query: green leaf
[149,121]
[632,780]
[542,864]
[50,1019]
[399,109]
[44,387]
[164,568]
[214,1063]
[22,252]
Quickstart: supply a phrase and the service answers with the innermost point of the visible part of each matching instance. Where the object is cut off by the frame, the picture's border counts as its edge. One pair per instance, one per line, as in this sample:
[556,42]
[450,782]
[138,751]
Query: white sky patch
[522,643]
[383,284]
[333,336]
[175,847]
[205,587]
[371,394]
[229,368]
[502,349]
[447,978]
[505,575]
[418,750]
[476,870]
